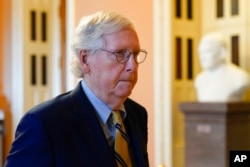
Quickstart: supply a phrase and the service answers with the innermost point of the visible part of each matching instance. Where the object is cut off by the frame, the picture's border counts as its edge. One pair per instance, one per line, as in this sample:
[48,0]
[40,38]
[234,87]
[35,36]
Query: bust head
[212,51]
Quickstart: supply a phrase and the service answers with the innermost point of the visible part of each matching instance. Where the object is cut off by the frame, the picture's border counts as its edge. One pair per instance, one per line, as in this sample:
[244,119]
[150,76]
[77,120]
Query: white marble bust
[220,80]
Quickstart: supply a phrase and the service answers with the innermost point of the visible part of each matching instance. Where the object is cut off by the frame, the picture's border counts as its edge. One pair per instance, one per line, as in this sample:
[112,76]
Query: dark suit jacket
[65,132]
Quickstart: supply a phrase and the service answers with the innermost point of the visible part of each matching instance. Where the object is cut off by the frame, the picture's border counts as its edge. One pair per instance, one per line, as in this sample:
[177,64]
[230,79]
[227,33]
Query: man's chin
[124,89]
[124,94]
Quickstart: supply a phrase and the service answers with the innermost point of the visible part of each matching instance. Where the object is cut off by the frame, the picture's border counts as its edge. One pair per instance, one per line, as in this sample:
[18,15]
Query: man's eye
[120,52]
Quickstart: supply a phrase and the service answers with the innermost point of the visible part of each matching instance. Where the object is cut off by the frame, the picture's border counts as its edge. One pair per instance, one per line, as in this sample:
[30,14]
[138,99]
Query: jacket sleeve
[31,145]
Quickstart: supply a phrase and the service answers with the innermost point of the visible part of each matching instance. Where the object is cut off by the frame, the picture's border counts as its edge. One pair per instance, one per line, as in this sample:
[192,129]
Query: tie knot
[117,119]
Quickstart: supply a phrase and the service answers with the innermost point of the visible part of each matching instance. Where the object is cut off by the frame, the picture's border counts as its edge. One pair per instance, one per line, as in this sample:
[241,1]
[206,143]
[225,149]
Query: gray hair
[89,32]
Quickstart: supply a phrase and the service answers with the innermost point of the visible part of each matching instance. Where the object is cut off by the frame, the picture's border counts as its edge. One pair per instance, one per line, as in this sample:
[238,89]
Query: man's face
[108,78]
[210,55]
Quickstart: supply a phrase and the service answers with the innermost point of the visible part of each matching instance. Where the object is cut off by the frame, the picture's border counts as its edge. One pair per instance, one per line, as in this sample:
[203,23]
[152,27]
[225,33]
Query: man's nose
[131,64]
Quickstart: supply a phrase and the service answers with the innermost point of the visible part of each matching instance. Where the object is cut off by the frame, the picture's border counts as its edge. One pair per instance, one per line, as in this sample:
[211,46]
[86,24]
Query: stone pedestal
[214,129]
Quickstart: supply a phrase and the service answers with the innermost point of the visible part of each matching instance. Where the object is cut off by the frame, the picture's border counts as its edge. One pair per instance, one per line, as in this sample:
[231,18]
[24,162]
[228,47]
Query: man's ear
[83,60]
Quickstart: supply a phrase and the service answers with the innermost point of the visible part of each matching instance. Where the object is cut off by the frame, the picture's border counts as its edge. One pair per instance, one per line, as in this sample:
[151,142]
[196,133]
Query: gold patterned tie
[121,144]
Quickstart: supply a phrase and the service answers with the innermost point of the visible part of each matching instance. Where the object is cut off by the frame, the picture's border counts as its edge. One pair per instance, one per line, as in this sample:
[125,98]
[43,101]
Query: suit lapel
[91,129]
[134,135]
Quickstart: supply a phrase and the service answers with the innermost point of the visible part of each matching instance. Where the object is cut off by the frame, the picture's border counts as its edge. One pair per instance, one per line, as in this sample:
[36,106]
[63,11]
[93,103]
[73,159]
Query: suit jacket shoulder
[59,133]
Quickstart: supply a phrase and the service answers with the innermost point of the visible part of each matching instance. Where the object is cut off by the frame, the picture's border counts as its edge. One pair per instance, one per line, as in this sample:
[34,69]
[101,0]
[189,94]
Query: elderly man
[96,124]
